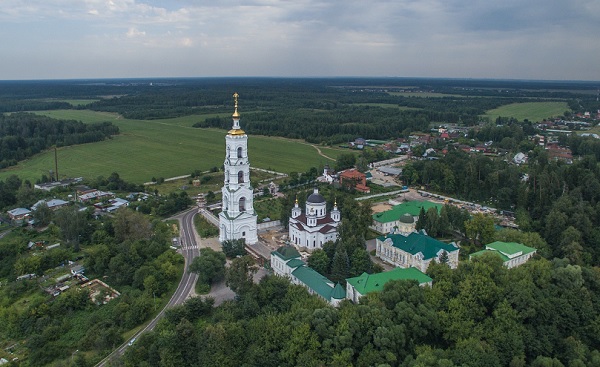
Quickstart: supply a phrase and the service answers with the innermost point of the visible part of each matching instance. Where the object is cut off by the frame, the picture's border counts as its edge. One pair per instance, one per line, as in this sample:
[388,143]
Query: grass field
[533,111]
[421,94]
[75,102]
[387,105]
[162,148]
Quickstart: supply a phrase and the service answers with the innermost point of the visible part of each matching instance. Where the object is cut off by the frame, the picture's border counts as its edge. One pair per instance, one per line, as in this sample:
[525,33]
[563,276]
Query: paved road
[189,250]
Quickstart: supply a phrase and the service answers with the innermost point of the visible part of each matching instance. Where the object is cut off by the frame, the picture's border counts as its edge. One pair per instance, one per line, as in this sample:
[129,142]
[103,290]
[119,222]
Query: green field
[533,111]
[162,148]
[421,94]
[74,102]
[387,105]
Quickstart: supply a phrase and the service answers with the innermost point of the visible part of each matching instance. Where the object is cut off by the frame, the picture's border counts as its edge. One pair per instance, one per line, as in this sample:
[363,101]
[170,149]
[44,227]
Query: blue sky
[521,39]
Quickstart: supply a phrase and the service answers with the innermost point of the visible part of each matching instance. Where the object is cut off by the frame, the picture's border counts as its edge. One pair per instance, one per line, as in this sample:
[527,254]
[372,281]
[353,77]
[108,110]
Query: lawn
[162,148]
[533,111]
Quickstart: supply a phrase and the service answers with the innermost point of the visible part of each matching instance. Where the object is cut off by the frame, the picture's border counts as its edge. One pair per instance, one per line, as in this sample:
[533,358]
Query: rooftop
[416,242]
[366,283]
[316,282]
[411,207]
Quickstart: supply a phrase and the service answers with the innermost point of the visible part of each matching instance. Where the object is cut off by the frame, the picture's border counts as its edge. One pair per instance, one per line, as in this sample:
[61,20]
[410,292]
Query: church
[237,218]
[310,230]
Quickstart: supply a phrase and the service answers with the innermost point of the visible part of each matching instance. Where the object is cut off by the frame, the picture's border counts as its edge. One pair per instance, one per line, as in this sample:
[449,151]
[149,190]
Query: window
[243,234]
[243,204]
[240,176]
[239,152]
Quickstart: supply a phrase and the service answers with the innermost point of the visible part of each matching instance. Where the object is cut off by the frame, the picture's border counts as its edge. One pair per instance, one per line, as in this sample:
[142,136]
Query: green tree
[210,266]
[480,229]
[73,225]
[239,275]
[234,248]
[319,261]
[131,225]
[340,266]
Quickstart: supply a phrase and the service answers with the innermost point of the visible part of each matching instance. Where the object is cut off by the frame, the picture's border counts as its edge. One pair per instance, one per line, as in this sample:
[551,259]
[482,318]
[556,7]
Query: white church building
[237,218]
[310,230]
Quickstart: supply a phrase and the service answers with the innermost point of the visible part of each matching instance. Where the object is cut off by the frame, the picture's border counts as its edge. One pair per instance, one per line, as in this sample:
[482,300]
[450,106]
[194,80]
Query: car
[131,342]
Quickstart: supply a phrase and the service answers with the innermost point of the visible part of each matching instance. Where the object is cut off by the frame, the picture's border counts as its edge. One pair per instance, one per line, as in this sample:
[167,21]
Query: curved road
[189,250]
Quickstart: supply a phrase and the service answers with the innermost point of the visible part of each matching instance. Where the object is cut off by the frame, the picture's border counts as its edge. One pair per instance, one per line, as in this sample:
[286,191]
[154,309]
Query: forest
[24,134]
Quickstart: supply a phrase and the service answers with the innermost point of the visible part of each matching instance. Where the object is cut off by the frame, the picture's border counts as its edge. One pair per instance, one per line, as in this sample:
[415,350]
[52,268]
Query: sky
[498,39]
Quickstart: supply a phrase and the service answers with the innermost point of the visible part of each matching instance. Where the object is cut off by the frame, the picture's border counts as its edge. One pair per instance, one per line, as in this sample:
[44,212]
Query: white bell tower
[237,218]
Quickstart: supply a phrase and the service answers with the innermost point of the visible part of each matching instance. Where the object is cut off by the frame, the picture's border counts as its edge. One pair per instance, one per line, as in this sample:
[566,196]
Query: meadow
[421,94]
[163,148]
[533,111]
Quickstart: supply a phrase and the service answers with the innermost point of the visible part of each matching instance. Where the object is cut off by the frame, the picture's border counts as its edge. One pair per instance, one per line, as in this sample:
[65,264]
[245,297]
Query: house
[94,195]
[356,179]
[416,249]
[513,254]
[18,215]
[77,269]
[53,204]
[52,185]
[286,261]
[386,221]
[115,204]
[366,283]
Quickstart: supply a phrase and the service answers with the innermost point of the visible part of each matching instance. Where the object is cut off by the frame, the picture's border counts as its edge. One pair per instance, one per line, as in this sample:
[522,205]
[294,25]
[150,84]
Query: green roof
[294,263]
[506,250]
[367,283]
[417,242]
[287,252]
[338,292]
[315,281]
[411,207]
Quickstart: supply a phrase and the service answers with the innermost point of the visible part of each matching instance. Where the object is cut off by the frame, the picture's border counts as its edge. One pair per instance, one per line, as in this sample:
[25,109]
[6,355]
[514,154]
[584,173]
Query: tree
[480,229]
[346,160]
[131,225]
[340,266]
[319,261]
[422,221]
[210,266]
[42,214]
[73,225]
[234,248]
[240,273]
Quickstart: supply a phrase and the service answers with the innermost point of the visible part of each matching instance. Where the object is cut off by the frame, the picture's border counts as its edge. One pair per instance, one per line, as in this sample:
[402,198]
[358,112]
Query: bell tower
[237,218]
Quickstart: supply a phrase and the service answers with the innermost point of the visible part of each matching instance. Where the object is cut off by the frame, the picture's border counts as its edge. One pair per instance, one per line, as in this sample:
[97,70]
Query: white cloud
[455,38]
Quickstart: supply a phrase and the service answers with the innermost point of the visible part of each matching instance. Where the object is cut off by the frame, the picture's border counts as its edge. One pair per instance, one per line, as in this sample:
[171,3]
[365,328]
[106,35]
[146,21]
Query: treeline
[23,135]
[558,200]
[540,314]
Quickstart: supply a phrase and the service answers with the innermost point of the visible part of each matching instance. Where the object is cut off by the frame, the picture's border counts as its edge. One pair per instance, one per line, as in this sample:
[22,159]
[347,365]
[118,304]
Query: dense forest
[545,313]
[24,134]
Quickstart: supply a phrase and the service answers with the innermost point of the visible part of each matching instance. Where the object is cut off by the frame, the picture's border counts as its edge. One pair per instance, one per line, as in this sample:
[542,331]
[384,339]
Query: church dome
[315,198]
[407,218]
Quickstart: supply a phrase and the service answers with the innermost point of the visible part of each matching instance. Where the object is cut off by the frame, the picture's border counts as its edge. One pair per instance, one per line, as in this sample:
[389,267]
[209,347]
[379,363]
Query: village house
[19,215]
[356,179]
[53,204]
[513,254]
[416,249]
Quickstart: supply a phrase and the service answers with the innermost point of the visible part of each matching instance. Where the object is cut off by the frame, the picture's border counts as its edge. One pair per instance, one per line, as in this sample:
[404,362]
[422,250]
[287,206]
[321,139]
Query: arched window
[226,176]
[240,176]
[239,152]
[242,204]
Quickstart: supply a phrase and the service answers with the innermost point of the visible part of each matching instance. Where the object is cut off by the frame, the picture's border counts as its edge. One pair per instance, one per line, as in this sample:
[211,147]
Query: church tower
[237,218]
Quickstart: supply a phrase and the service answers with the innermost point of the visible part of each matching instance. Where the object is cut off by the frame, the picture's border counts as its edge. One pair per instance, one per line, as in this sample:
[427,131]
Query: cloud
[455,38]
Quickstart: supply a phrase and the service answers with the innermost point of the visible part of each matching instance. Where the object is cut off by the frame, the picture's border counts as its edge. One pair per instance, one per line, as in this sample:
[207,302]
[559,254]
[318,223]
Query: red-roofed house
[355,178]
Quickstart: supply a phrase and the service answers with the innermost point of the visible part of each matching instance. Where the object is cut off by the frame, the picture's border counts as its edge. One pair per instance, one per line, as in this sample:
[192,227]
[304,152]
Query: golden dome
[236,132]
